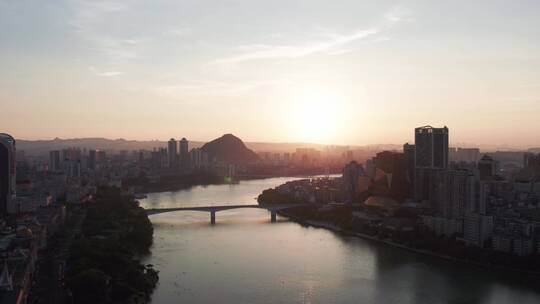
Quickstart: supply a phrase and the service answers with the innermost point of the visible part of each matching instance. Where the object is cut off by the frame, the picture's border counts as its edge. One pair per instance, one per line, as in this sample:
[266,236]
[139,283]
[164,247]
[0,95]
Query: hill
[229,148]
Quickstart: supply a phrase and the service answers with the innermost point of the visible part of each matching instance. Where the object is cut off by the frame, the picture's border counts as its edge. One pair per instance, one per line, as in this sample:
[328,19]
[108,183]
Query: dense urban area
[72,230]
[459,204]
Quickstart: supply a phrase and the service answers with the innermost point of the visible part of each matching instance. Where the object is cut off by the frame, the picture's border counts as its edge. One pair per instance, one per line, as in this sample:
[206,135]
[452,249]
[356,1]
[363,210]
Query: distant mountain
[229,148]
[42,147]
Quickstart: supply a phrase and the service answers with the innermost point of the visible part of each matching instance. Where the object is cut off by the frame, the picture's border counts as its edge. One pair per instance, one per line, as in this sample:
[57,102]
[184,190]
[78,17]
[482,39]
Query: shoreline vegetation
[104,264]
[340,220]
[175,183]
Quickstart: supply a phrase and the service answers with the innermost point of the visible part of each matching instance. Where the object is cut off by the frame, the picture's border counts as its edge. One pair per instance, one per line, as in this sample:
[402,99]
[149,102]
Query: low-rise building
[477,229]
[442,226]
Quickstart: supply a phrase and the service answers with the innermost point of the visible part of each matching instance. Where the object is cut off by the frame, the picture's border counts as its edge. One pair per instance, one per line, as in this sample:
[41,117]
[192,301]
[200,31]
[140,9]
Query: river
[245,258]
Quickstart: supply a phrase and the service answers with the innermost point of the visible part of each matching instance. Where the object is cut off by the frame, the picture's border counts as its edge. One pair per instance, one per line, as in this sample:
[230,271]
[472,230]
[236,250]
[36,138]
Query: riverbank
[175,183]
[104,264]
[337,229]
[186,182]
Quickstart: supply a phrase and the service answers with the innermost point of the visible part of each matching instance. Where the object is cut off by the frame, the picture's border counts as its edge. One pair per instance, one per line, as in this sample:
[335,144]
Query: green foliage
[273,196]
[90,286]
[115,231]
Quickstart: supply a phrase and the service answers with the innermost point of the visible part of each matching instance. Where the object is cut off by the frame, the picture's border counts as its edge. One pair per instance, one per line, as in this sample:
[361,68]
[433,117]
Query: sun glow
[317,115]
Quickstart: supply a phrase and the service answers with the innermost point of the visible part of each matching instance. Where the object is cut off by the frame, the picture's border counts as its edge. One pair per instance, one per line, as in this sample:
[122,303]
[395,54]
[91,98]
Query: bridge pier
[212,217]
[273,216]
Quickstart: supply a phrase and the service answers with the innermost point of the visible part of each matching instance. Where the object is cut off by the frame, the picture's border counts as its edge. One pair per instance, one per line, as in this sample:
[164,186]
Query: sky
[340,72]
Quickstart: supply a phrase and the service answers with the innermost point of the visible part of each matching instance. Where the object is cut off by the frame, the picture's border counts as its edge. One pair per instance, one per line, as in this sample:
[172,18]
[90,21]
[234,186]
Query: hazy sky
[353,72]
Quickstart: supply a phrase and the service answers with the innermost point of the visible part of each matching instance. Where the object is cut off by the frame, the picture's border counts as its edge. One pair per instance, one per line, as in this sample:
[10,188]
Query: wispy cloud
[87,14]
[89,20]
[396,15]
[268,51]
[134,41]
[112,73]
[330,43]
[179,32]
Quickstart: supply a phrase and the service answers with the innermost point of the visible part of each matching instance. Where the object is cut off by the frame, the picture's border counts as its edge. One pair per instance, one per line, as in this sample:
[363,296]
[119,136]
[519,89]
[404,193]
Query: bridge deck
[215,208]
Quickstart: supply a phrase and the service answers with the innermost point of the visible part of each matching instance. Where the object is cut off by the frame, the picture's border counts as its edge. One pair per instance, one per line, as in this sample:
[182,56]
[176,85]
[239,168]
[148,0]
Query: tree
[90,286]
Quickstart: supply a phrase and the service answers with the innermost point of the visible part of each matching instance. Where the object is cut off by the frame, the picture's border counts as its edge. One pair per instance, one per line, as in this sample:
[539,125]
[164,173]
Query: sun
[317,115]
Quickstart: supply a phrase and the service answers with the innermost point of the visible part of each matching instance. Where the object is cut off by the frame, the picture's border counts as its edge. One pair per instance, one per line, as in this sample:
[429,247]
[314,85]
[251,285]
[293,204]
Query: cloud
[179,32]
[105,73]
[267,51]
[86,14]
[331,44]
[89,20]
[396,15]
[134,41]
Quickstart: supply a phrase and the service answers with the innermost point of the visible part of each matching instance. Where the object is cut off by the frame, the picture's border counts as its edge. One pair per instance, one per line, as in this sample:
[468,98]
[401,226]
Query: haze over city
[280,71]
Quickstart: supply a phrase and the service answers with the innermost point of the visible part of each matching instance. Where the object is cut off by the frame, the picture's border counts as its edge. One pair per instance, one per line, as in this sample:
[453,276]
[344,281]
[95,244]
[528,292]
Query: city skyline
[270,72]
[452,143]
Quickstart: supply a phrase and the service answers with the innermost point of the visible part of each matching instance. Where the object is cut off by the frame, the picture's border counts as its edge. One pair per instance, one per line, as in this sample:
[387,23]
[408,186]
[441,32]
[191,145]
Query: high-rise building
[452,154]
[92,159]
[431,147]
[531,161]
[409,151]
[430,155]
[199,158]
[172,152]
[163,157]
[394,166]
[71,154]
[369,168]
[155,159]
[286,157]
[184,153]
[484,192]
[468,155]
[140,157]
[54,161]
[7,171]
[456,191]
[70,162]
[307,156]
[101,157]
[487,167]
[351,172]
[477,229]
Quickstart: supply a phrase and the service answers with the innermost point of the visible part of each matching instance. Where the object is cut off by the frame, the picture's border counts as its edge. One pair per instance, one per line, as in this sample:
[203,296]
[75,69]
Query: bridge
[273,208]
